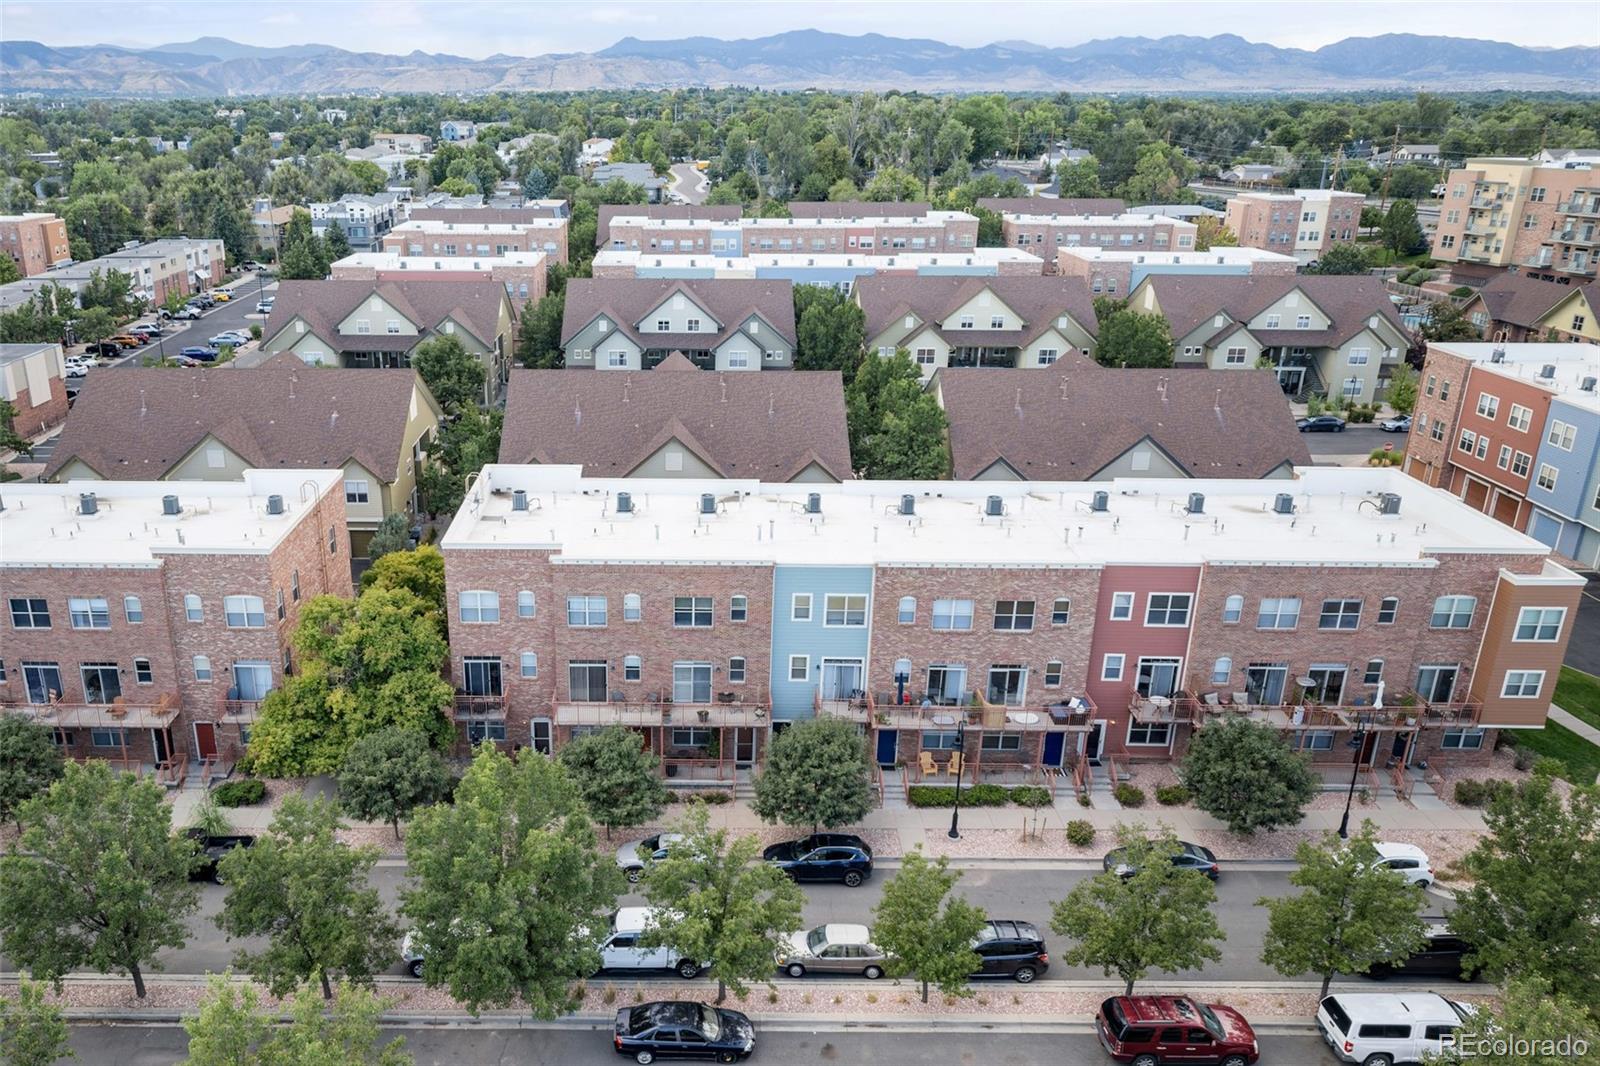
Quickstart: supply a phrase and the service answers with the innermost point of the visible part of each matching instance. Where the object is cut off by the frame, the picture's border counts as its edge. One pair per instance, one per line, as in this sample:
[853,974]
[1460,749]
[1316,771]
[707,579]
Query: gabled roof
[1051,205]
[746,425]
[729,301]
[856,209]
[1522,301]
[1051,424]
[425,302]
[679,212]
[1187,301]
[887,299]
[279,414]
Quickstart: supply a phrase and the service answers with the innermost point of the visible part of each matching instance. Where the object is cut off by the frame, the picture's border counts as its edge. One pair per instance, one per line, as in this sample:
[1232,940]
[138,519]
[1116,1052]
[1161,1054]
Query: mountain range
[802,59]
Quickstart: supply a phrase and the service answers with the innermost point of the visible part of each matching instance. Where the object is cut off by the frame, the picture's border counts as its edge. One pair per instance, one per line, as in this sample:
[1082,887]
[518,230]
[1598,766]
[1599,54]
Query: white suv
[621,950]
[1381,1029]
[1407,860]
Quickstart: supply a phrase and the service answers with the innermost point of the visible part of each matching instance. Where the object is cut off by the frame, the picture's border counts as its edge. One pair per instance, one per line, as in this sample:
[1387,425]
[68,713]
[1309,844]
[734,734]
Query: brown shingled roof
[425,302]
[626,301]
[1520,300]
[1188,300]
[1048,205]
[680,212]
[1050,424]
[746,425]
[279,414]
[887,298]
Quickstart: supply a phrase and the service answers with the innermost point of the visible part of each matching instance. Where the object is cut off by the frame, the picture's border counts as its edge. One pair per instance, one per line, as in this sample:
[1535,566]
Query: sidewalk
[1576,724]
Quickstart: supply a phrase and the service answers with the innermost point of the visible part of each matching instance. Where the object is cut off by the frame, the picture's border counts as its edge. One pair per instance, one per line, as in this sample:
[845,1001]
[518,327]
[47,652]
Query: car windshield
[1211,1020]
[818,938]
[710,1023]
[1463,1011]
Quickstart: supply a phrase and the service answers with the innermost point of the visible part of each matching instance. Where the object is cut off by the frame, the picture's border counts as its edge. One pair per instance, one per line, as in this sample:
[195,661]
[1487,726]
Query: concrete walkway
[1576,724]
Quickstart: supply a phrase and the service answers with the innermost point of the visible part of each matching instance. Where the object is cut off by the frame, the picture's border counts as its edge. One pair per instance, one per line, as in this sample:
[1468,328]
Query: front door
[1436,683]
[539,736]
[158,743]
[744,747]
[888,746]
[1369,746]
[205,740]
[841,679]
[1055,748]
[1093,740]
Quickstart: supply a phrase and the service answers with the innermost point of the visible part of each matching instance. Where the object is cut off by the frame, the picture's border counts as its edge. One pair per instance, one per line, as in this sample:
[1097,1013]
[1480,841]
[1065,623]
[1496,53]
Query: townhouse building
[452,209]
[721,324]
[1052,205]
[35,241]
[377,324]
[215,425]
[1515,214]
[1304,223]
[156,269]
[33,381]
[145,621]
[836,271]
[1514,431]
[1045,235]
[525,275]
[1576,317]
[875,233]
[364,219]
[1113,272]
[451,238]
[604,213]
[1329,335]
[1514,307]
[1050,623]
[978,322]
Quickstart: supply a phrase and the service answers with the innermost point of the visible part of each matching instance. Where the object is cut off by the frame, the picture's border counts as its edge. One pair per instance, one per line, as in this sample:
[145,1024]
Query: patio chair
[1241,700]
[928,766]
[953,767]
[1212,699]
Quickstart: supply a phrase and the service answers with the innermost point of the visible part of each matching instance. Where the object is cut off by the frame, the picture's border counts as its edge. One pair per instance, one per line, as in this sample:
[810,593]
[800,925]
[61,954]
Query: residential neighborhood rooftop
[1562,369]
[477,229]
[1124,220]
[908,261]
[930,218]
[1223,255]
[423,264]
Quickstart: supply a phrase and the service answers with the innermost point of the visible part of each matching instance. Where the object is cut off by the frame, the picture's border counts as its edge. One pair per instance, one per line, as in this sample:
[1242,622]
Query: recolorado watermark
[1463,1045]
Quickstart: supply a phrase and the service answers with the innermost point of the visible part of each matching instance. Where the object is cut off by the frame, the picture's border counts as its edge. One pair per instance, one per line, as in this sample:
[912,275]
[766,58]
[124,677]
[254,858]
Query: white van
[621,950]
[1382,1029]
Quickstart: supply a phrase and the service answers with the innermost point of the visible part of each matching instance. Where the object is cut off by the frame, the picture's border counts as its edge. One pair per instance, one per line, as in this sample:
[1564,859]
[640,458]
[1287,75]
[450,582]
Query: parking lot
[239,313]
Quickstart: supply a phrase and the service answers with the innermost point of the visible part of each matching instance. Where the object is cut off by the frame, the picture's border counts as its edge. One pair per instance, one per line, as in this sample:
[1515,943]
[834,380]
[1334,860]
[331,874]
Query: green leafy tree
[419,570]
[897,430]
[816,775]
[303,256]
[1534,901]
[454,375]
[1344,258]
[110,289]
[1158,918]
[539,334]
[462,448]
[1246,775]
[1446,322]
[307,893]
[232,1028]
[1079,180]
[102,219]
[718,903]
[335,244]
[830,329]
[616,776]
[1352,915]
[891,185]
[392,535]
[1211,232]
[9,271]
[1130,338]
[510,890]
[1402,392]
[93,324]
[29,761]
[97,878]
[32,1031]
[388,774]
[1551,1029]
[926,932]
[1402,233]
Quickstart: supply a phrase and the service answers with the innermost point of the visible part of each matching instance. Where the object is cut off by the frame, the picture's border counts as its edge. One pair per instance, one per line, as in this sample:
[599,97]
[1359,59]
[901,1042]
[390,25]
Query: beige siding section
[676,311]
[671,454]
[812,473]
[1217,357]
[210,460]
[1289,308]
[982,307]
[376,312]
[1153,460]
[77,470]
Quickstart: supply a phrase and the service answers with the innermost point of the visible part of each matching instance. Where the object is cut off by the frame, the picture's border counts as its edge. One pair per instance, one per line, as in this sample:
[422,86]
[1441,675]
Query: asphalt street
[689,183]
[1355,440]
[1583,651]
[161,1045]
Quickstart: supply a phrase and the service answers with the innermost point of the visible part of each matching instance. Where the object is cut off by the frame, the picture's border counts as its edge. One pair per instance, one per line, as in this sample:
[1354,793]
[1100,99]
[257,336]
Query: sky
[478,29]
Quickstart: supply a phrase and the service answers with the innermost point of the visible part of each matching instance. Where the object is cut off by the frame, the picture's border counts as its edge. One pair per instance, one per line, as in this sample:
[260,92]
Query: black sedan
[848,865]
[790,850]
[1189,857]
[211,850]
[1321,424]
[1441,955]
[675,1030]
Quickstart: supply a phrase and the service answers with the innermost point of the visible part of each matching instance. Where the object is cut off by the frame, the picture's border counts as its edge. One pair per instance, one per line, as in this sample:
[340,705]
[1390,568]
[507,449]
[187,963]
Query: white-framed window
[526,605]
[924,356]
[799,668]
[940,741]
[355,491]
[1047,356]
[192,609]
[1547,477]
[1483,447]
[1358,356]
[1488,405]
[478,606]
[1302,321]
[1520,418]
[1340,614]
[1503,461]
[738,608]
[1149,734]
[1221,670]
[1351,387]
[1461,740]
[1373,673]
[1232,609]
[1111,667]
[1453,612]
[586,611]
[1014,615]
[1468,441]
[1278,612]
[278,595]
[1562,435]
[844,609]
[528,665]
[632,668]
[1061,611]
[1167,609]
[738,360]
[1521,463]
[1522,684]
[952,615]
[132,609]
[632,607]
[1273,321]
[1542,624]
[907,613]
[89,612]
[691,612]
[1388,608]
[202,668]
[800,607]
[142,673]
[616,357]
[736,670]
[1234,356]
[244,612]
[1052,673]
[1121,606]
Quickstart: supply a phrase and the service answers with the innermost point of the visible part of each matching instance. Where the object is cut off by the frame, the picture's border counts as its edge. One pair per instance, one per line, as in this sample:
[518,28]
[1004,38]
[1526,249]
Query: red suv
[1149,1030]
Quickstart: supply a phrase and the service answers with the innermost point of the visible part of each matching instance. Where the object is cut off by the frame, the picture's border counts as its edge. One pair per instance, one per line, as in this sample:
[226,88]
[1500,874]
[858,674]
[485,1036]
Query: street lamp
[961,753]
[1358,742]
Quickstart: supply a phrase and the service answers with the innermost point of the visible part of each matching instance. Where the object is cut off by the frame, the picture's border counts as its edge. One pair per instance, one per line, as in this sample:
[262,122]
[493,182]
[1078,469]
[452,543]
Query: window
[1488,405]
[29,613]
[586,611]
[1232,608]
[1121,606]
[839,609]
[89,612]
[1520,418]
[907,613]
[1483,447]
[1273,321]
[1167,609]
[244,612]
[800,607]
[924,356]
[142,673]
[1521,462]
[1278,612]
[355,492]
[132,609]
[1302,321]
[1221,670]
[1358,356]
[1504,460]
[202,668]
[616,357]
[586,680]
[632,607]
[479,606]
[1461,739]
[1047,356]
[1373,674]
[952,615]
[1547,477]
[102,682]
[1052,674]
[294,586]
[799,668]
[107,738]
[1002,742]
[663,325]
[997,321]
[1014,615]
[738,608]
[940,741]
[529,664]
[485,732]
[1111,666]
[1149,733]
[736,670]
[1315,740]
[692,325]
[1340,614]
[333,540]
[1388,607]
[691,612]
[1468,441]
[1453,612]
[632,668]
[1444,390]
[1061,612]
[525,604]
[1561,435]
[1540,623]
[1522,684]
[1234,357]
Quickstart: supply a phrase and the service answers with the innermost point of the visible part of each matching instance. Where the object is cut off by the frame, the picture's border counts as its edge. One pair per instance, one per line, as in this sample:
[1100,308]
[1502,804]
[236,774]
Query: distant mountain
[802,59]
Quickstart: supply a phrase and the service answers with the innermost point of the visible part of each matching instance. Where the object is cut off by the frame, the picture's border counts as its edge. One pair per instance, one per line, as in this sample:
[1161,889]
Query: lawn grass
[1578,694]
[1582,759]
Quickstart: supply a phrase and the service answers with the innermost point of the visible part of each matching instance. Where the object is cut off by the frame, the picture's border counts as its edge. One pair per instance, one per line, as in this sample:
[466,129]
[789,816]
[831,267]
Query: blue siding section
[645,271]
[834,277]
[734,239]
[794,699]
[1575,468]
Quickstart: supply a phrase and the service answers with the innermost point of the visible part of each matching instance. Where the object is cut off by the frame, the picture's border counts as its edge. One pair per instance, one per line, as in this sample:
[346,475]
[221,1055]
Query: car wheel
[1424,884]
[1234,1060]
[794,969]
[414,968]
[644,1058]
[688,969]
[634,873]
[1377,1059]
[872,973]
[853,879]
[1025,975]
[1338,429]
[727,1056]
[1146,1060]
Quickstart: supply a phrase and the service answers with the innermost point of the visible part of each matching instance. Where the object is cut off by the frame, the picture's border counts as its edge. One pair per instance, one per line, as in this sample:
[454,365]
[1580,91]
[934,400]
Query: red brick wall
[1511,506]
[1133,639]
[31,420]
[1427,459]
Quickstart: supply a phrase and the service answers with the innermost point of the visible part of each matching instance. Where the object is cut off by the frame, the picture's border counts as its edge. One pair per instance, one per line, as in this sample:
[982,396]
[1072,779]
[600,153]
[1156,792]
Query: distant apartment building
[270,223]
[35,241]
[446,237]
[1252,173]
[1113,272]
[1304,223]
[837,271]
[1045,235]
[867,234]
[33,381]
[452,209]
[1052,205]
[402,143]
[660,212]
[614,324]
[364,219]
[1516,215]
[525,275]
[156,269]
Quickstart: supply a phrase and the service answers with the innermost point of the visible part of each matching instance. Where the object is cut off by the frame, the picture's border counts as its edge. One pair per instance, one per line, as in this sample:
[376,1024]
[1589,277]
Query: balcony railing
[232,710]
[918,711]
[1410,712]
[1576,206]
[669,713]
[118,714]
[1180,707]
[1581,236]
[479,706]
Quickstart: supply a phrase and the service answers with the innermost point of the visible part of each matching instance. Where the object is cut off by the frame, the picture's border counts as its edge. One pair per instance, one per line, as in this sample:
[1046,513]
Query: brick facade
[32,419]
[35,242]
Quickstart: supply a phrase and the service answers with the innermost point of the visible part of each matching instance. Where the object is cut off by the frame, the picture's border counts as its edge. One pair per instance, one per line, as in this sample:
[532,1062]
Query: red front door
[205,740]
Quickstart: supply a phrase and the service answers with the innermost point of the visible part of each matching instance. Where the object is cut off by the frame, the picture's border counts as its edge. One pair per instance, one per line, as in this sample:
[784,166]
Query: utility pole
[1383,195]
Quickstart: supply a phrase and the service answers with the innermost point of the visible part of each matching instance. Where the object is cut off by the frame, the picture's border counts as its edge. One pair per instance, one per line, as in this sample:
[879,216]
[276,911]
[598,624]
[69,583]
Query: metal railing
[663,712]
[478,706]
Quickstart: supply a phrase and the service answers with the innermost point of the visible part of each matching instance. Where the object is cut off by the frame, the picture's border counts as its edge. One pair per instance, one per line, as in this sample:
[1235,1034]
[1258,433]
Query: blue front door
[888,746]
[1054,745]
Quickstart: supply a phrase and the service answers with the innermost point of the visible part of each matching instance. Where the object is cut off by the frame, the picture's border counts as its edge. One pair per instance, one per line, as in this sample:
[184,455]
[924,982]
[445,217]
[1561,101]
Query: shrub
[1172,795]
[1524,759]
[1461,290]
[1080,833]
[1128,795]
[1314,405]
[1030,796]
[1549,766]
[241,793]
[1471,793]
[710,796]
[984,795]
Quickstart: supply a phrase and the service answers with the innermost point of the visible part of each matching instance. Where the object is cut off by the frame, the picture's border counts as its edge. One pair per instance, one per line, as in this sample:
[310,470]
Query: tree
[1079,180]
[1211,232]
[29,761]
[1243,773]
[93,324]
[1343,258]
[539,334]
[511,892]
[1132,339]
[897,430]
[307,893]
[616,776]
[102,219]
[1352,914]
[891,185]
[816,775]
[923,941]
[718,903]
[1445,322]
[392,535]
[1534,901]
[454,375]
[1549,1029]
[32,1031]
[1160,917]
[1402,233]
[233,1029]
[9,271]
[830,329]
[11,441]
[388,774]
[334,243]
[97,878]
[419,570]
[110,289]
[303,256]
[1402,392]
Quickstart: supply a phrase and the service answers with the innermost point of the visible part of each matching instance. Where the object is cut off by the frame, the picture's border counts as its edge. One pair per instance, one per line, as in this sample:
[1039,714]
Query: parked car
[147,329]
[848,865]
[1011,949]
[211,850]
[411,954]
[129,340]
[1408,860]
[1441,955]
[186,361]
[200,352]
[632,857]
[76,368]
[1148,1030]
[676,1030]
[789,850]
[1189,857]
[221,295]
[232,338]
[264,307]
[103,349]
[187,312]
[621,950]
[1396,425]
[203,299]
[1321,424]
[833,948]
[1381,1028]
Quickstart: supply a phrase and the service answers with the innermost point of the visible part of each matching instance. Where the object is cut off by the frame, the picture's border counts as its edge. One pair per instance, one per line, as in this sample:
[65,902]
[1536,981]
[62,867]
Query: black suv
[1011,949]
[1440,956]
[210,850]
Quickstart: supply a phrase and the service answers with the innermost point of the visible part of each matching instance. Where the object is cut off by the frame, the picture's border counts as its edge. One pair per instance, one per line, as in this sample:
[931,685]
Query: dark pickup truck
[212,849]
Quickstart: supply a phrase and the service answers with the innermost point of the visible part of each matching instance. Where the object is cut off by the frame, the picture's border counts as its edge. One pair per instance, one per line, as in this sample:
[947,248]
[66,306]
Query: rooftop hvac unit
[1283,503]
[87,504]
[813,503]
[170,505]
[274,504]
[1197,503]
[1389,503]
[1587,385]
[994,507]
[1548,371]
[519,499]
[624,503]
[1497,356]
[1100,501]
[708,503]
[908,504]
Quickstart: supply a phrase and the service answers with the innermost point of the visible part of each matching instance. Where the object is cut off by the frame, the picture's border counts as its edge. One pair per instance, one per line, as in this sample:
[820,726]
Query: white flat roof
[1125,220]
[1214,256]
[422,264]
[1044,524]
[477,228]
[932,218]
[1571,365]
[900,259]
[41,526]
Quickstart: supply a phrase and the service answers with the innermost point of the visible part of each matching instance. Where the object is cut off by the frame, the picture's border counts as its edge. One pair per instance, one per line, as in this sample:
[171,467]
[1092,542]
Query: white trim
[805,661]
[794,607]
[1133,598]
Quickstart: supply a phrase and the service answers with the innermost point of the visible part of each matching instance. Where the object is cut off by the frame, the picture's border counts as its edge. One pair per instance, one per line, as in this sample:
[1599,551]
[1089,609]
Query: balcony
[1586,236]
[1409,713]
[646,713]
[118,714]
[924,712]
[1540,260]
[1576,206]
[1180,708]
[1485,228]
[479,707]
